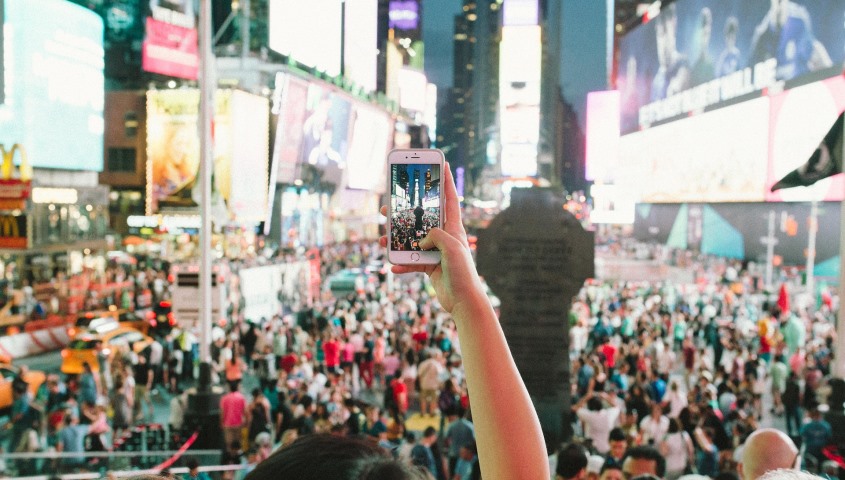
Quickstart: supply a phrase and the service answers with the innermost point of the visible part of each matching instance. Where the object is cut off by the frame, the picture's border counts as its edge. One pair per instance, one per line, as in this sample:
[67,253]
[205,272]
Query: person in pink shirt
[234,415]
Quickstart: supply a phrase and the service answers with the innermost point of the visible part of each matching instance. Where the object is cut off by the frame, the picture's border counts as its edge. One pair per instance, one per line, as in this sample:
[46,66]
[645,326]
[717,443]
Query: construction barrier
[34,342]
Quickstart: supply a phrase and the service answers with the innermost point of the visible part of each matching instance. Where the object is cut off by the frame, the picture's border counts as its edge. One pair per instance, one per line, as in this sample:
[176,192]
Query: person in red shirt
[400,393]
[331,351]
[609,352]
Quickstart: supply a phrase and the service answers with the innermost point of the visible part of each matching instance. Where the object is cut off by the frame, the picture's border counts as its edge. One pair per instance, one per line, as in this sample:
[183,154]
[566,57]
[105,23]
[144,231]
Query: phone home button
[415,257]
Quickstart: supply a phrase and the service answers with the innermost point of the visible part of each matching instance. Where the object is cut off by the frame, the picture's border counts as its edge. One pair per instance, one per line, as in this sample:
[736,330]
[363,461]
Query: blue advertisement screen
[698,55]
[54,84]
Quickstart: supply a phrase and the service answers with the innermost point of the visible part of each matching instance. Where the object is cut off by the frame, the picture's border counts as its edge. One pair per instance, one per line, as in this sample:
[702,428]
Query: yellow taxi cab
[33,378]
[99,321]
[86,346]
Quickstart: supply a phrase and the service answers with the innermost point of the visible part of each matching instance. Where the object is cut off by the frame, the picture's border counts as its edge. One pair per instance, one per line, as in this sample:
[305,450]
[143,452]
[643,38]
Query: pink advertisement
[170,50]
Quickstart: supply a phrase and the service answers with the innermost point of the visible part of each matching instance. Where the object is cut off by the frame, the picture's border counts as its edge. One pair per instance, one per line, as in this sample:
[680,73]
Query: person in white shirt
[654,426]
[598,414]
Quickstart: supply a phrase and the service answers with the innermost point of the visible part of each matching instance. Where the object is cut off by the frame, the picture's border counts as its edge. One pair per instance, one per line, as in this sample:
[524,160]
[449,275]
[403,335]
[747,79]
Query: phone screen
[415,203]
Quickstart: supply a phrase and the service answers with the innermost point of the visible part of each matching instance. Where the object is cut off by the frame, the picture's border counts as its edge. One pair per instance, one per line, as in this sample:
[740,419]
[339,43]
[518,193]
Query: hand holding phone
[416,204]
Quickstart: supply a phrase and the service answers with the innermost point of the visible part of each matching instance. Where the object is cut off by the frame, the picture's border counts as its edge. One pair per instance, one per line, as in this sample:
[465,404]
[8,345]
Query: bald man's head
[766,449]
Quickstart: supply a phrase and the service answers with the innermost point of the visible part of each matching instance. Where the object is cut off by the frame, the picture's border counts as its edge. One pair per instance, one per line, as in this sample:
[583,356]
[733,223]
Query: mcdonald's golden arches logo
[13,231]
[7,168]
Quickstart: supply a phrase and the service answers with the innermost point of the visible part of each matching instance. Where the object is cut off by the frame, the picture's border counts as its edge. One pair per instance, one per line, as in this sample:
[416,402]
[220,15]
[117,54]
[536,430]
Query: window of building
[121,160]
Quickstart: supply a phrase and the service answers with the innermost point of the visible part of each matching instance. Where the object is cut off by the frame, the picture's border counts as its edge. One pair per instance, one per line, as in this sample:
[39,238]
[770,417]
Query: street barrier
[34,342]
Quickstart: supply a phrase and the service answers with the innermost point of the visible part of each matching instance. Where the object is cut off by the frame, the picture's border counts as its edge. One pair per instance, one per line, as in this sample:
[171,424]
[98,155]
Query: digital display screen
[699,55]
[54,84]
[414,204]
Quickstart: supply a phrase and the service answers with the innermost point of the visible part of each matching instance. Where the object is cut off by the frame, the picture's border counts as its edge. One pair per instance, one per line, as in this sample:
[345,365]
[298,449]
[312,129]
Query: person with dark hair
[643,460]
[571,462]
[611,472]
[234,414]
[422,455]
[467,459]
[324,456]
[618,442]
[508,433]
[597,419]
[194,470]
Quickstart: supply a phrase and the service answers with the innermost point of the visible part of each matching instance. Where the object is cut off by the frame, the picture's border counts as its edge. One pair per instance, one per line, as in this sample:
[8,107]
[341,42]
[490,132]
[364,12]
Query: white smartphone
[416,204]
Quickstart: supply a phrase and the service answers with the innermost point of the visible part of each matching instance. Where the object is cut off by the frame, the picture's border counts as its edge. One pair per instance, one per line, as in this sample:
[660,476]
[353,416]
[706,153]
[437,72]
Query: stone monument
[535,256]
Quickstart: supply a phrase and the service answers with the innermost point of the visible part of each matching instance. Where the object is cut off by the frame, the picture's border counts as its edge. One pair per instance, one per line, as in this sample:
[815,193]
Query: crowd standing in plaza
[675,376]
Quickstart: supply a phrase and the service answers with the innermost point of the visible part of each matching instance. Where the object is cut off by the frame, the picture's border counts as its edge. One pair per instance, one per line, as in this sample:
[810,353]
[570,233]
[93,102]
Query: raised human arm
[508,434]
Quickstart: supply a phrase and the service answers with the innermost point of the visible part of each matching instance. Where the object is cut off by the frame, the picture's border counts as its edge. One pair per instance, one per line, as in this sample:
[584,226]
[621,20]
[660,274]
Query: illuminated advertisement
[240,174]
[698,55]
[602,134]
[370,141]
[404,15]
[719,156]
[412,89]
[2,63]
[53,57]
[170,50]
[173,151]
[519,96]
[520,13]
[293,33]
[325,137]
[174,12]
[360,60]
[293,93]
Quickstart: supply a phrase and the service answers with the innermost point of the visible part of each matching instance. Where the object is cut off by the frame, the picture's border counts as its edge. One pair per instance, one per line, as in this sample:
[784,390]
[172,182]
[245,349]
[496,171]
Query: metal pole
[811,254]
[245,39]
[207,84]
[770,242]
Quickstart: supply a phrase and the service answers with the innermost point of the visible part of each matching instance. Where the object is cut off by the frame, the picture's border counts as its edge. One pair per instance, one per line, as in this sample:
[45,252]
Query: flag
[825,161]
[783,299]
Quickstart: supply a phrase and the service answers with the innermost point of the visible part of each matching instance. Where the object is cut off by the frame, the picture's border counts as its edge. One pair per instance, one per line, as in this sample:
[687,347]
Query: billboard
[170,49]
[293,93]
[360,46]
[370,141]
[404,15]
[698,55]
[293,33]
[602,134]
[173,151]
[412,89]
[325,138]
[519,97]
[2,64]
[241,174]
[54,69]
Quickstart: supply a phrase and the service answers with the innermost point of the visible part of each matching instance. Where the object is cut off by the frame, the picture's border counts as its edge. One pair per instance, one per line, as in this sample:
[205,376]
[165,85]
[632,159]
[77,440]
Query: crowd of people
[669,379]
[409,226]
[689,372]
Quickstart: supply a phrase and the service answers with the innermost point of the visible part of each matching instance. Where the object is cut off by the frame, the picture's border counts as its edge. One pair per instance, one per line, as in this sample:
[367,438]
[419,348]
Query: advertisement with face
[173,150]
[698,55]
[325,140]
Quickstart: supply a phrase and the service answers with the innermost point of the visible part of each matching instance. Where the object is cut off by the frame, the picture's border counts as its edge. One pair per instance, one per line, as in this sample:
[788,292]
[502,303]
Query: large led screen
[54,83]
[309,32]
[519,87]
[703,54]
[291,111]
[719,156]
[370,141]
[325,137]
[360,46]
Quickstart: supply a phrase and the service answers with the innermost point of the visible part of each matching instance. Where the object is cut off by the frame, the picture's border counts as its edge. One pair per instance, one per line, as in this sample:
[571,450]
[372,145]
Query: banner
[170,50]
[698,55]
